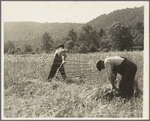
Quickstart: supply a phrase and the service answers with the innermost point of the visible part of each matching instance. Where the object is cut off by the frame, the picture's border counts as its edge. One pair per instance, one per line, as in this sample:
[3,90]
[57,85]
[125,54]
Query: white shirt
[109,63]
[116,60]
[61,53]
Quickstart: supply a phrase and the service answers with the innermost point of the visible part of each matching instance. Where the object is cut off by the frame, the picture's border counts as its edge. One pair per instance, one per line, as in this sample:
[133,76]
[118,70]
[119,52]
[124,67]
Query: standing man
[59,60]
[125,68]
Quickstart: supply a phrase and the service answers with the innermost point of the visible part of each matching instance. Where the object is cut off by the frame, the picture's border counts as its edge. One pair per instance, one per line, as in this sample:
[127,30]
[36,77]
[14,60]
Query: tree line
[116,37]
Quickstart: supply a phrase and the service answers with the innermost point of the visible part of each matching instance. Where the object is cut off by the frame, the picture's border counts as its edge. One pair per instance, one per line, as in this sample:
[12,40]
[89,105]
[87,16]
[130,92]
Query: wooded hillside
[31,33]
[127,17]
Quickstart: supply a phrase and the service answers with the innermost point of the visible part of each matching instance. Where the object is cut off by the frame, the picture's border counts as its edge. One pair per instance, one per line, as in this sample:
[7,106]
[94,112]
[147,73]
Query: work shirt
[60,53]
[110,63]
[114,61]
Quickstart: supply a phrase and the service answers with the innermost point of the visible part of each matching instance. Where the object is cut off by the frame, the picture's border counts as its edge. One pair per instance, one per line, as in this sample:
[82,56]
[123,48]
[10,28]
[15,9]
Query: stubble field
[28,95]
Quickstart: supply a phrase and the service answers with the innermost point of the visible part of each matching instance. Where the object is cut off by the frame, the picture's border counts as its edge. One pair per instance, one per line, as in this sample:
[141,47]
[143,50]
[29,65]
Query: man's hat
[99,65]
[61,45]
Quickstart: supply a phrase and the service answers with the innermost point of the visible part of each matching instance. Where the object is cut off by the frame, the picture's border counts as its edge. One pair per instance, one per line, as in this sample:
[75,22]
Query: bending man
[125,68]
[59,60]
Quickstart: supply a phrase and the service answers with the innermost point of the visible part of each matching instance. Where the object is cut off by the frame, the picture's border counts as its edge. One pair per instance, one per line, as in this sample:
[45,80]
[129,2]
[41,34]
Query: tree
[89,37]
[138,34]
[105,43]
[18,50]
[87,29]
[9,47]
[85,36]
[101,32]
[95,38]
[69,44]
[27,48]
[120,37]
[5,48]
[37,50]
[47,42]
[93,48]
[76,49]
[83,48]
[72,35]
[139,26]
[71,39]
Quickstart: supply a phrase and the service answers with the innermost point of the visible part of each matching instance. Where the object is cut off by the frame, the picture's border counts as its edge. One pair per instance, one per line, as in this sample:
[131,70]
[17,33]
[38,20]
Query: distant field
[28,95]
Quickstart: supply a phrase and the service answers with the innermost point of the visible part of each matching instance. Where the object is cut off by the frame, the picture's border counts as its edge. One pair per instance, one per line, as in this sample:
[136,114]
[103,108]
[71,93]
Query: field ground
[28,95]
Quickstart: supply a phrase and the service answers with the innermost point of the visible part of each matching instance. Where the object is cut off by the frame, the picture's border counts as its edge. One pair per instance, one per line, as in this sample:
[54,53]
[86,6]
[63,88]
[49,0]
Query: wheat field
[28,95]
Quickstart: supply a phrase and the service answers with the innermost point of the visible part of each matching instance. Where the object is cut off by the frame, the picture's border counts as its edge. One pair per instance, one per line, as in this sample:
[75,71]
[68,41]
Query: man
[59,60]
[125,68]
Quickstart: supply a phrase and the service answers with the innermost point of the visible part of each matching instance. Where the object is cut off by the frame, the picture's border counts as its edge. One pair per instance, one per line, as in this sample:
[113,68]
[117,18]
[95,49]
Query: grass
[28,95]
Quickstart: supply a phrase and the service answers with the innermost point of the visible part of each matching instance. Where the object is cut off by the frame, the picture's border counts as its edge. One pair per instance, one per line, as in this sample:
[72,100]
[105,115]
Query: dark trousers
[127,69]
[56,64]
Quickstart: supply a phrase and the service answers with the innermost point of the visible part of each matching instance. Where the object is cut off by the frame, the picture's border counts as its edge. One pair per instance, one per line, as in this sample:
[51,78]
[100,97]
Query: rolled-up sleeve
[63,54]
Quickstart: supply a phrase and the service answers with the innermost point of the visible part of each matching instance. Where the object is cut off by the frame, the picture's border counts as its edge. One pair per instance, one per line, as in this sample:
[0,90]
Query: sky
[65,11]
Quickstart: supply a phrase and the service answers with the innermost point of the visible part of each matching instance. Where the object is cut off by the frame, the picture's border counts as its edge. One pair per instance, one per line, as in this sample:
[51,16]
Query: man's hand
[63,62]
[113,87]
[113,90]
[116,92]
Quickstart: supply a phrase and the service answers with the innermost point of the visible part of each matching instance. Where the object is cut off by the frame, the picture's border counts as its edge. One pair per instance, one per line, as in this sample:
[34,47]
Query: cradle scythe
[56,75]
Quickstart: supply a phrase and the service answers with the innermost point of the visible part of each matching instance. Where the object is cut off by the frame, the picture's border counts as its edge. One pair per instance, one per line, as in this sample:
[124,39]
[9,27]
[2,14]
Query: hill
[31,32]
[129,16]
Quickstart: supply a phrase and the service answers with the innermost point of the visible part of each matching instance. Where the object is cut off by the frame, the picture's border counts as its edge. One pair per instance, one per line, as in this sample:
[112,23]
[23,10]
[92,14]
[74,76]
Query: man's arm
[112,79]
[111,75]
[63,56]
[55,53]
